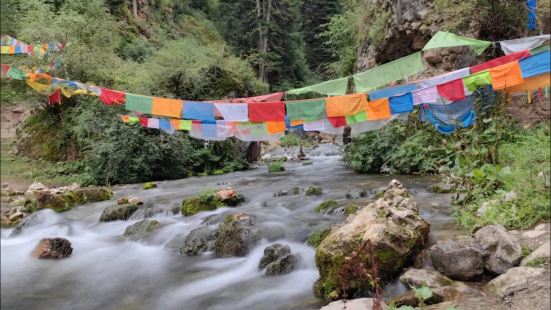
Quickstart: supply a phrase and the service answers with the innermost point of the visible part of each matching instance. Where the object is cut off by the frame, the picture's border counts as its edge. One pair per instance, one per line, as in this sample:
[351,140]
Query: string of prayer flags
[330,88]
[111,97]
[425,95]
[237,112]
[446,77]
[530,84]
[401,104]
[393,71]
[306,109]
[345,105]
[500,61]
[506,75]
[392,91]
[203,111]
[479,79]
[535,65]
[167,107]
[446,118]
[378,109]
[138,103]
[40,82]
[448,39]
[452,90]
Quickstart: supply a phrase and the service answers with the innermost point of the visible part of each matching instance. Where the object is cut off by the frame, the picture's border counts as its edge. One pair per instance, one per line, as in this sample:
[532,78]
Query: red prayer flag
[500,61]
[452,90]
[337,122]
[143,121]
[110,97]
[55,97]
[267,111]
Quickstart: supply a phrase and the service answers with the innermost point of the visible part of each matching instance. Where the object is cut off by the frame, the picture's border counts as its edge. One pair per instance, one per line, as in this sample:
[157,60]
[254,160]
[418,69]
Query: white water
[106,271]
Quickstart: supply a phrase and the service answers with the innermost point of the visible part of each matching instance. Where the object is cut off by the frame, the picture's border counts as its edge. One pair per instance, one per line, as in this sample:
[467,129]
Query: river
[107,271]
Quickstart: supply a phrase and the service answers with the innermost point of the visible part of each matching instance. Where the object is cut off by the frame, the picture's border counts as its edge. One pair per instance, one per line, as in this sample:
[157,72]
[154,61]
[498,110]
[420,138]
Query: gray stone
[542,253]
[53,248]
[273,253]
[236,235]
[282,265]
[515,279]
[118,212]
[442,187]
[354,304]
[460,259]
[199,240]
[506,251]
[424,277]
[141,229]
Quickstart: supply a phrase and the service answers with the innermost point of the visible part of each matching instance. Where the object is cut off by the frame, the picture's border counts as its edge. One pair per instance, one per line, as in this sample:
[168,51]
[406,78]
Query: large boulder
[277,259]
[199,240]
[65,198]
[424,277]
[354,304]
[118,212]
[236,235]
[461,259]
[506,251]
[141,229]
[53,248]
[515,279]
[540,256]
[397,233]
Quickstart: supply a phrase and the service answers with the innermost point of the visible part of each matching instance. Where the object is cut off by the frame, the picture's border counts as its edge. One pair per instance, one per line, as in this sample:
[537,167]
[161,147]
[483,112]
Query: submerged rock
[272,253]
[141,229]
[118,212]
[211,200]
[397,233]
[44,218]
[354,304]
[327,206]
[53,248]
[313,191]
[460,259]
[199,240]
[506,251]
[283,265]
[236,235]
[442,188]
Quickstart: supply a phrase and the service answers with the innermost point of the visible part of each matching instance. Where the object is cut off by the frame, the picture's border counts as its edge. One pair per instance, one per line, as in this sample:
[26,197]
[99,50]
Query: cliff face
[396,28]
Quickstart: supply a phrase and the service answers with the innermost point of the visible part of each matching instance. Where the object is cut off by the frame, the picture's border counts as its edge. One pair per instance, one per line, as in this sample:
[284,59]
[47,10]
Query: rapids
[106,271]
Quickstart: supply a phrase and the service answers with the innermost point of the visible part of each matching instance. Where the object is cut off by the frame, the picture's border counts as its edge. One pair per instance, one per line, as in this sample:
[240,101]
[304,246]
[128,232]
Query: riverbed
[107,271]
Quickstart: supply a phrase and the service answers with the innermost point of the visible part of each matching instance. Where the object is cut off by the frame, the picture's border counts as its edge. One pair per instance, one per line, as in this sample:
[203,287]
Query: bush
[276,166]
[313,191]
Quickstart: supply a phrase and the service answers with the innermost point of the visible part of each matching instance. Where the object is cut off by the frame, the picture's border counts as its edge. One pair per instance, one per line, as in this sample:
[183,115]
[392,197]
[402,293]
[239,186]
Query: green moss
[537,262]
[313,191]
[525,251]
[326,206]
[31,205]
[149,185]
[218,172]
[204,201]
[276,166]
[316,237]
[295,190]
[350,209]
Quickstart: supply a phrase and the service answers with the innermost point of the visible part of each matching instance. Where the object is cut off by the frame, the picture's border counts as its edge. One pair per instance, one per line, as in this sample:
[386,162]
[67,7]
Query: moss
[202,174]
[276,166]
[525,251]
[537,262]
[350,209]
[295,191]
[313,191]
[218,172]
[205,201]
[326,206]
[31,205]
[316,237]
[149,185]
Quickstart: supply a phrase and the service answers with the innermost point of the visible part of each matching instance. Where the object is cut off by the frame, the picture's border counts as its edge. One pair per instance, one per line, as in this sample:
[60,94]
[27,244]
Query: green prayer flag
[258,129]
[330,88]
[17,74]
[448,39]
[133,120]
[185,124]
[479,79]
[137,103]
[305,109]
[356,118]
[389,72]
[539,49]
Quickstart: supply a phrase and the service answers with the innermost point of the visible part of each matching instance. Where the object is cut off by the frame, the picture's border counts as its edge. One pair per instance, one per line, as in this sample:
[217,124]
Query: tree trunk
[263,13]
[135,8]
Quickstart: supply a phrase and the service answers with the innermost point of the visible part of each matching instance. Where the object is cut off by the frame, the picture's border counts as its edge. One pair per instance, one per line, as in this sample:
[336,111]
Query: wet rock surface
[141,229]
[236,235]
[354,304]
[199,240]
[118,212]
[53,248]
[277,259]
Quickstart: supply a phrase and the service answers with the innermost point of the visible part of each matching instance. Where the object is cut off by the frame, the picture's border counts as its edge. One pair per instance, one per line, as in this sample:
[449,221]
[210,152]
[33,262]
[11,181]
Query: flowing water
[107,271]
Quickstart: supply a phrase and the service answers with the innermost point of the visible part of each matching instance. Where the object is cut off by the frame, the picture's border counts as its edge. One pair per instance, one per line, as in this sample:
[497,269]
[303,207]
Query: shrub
[276,166]
[313,191]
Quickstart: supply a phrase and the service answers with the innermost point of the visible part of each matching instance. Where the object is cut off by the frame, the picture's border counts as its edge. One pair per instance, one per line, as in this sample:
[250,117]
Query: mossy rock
[149,185]
[118,212]
[276,166]
[141,229]
[327,206]
[314,191]
[93,194]
[236,236]
[350,209]
[316,237]
[295,190]
[58,202]
[201,202]
[218,172]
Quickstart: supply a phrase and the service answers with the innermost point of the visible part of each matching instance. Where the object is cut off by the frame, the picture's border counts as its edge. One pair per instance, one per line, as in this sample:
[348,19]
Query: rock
[460,259]
[354,304]
[397,233]
[236,235]
[118,212]
[12,216]
[6,192]
[424,277]
[65,198]
[541,255]
[409,299]
[135,201]
[515,279]
[5,185]
[53,248]
[273,253]
[327,207]
[283,265]
[206,201]
[506,251]
[37,186]
[281,193]
[313,191]
[122,201]
[226,194]
[93,194]
[199,240]
[149,185]
[141,229]
[42,219]
[442,187]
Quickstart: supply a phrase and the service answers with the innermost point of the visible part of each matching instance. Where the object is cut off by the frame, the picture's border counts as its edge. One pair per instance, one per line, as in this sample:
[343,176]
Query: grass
[295,140]
[276,166]
[524,168]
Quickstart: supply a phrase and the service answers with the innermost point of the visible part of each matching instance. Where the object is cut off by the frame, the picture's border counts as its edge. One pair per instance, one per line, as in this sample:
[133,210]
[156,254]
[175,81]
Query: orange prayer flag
[346,105]
[531,83]
[506,75]
[378,109]
[167,107]
[296,123]
[175,123]
[275,127]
